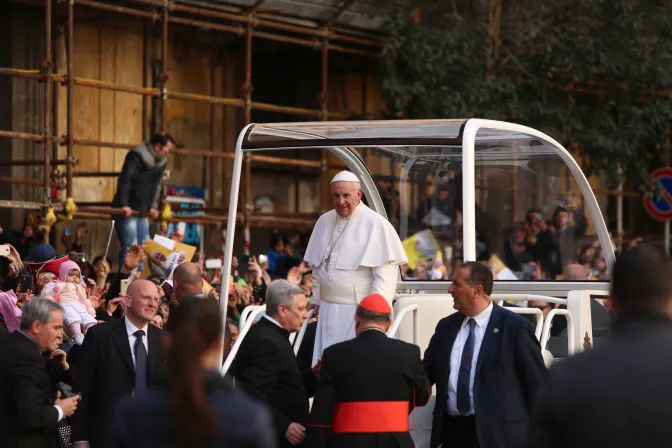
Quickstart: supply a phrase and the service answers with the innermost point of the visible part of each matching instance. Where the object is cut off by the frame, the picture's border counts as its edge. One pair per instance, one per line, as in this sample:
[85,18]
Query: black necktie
[464,375]
[140,364]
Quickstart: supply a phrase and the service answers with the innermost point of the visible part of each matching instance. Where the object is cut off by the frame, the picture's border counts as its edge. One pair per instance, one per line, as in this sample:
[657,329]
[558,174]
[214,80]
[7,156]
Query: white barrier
[298,338]
[538,314]
[546,334]
[400,317]
[250,317]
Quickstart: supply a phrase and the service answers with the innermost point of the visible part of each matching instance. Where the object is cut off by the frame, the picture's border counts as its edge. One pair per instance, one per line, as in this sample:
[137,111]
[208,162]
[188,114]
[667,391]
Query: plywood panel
[189,70]
[128,70]
[107,110]
[87,100]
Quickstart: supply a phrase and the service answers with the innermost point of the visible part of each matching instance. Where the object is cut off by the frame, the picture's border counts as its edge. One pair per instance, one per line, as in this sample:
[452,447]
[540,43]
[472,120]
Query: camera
[65,390]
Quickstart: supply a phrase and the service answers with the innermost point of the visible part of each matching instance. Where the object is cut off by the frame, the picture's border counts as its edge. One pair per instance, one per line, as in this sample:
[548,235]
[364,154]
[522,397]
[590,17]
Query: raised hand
[134,257]
[102,269]
[294,276]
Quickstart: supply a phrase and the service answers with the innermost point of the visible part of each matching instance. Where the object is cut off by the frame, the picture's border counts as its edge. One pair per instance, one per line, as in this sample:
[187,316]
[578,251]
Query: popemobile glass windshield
[531,220]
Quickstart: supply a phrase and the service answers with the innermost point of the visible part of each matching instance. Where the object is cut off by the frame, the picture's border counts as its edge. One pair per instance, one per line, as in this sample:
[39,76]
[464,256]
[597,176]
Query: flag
[421,245]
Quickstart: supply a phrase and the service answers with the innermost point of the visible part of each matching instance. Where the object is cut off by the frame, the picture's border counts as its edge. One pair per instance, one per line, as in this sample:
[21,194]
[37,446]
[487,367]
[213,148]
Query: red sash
[370,416]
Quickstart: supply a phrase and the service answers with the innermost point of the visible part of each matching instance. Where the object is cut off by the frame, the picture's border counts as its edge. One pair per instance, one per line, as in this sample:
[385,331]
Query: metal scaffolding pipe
[107,85]
[34,162]
[283,161]
[69,80]
[154,92]
[118,9]
[186,152]
[19,73]
[285,109]
[212,172]
[47,71]
[324,114]
[246,90]
[70,101]
[249,17]
[163,76]
[22,181]
[243,19]
[39,138]
[237,30]
[95,174]
[213,100]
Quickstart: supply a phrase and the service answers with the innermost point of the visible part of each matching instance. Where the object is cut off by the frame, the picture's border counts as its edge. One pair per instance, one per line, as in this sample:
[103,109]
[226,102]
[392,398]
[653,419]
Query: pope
[355,252]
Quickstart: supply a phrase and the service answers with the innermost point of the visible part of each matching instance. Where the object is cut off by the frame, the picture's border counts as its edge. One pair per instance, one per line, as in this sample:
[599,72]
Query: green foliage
[589,73]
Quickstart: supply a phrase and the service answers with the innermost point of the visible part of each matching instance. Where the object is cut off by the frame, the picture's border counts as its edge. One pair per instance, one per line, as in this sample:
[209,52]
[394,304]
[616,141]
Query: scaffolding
[245,25]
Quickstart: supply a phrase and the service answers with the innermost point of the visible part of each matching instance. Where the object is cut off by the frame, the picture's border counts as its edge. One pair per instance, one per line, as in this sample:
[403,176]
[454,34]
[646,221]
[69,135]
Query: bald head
[136,287]
[575,272]
[187,281]
[142,302]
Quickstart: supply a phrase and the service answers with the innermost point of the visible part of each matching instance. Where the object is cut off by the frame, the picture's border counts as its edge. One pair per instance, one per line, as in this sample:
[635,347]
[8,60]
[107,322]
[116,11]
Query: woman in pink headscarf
[70,292]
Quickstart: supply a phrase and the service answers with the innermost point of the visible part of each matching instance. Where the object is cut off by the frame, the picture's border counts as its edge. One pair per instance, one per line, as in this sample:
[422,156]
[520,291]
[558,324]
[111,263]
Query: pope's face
[345,197]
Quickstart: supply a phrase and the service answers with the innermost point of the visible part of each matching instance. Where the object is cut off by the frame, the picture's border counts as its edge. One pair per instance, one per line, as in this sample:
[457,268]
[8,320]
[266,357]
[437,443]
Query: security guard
[368,386]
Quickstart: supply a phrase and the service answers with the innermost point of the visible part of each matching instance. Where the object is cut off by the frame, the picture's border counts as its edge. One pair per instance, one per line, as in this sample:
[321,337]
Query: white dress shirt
[266,316]
[130,329]
[456,358]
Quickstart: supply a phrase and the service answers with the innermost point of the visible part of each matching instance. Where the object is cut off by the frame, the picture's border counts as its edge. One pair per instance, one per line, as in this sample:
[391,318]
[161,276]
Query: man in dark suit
[368,386]
[487,366]
[266,367]
[30,411]
[616,395]
[118,358]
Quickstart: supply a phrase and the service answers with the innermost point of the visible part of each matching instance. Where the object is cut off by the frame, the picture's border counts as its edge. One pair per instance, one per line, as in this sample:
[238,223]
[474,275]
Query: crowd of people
[95,357]
[81,354]
[535,249]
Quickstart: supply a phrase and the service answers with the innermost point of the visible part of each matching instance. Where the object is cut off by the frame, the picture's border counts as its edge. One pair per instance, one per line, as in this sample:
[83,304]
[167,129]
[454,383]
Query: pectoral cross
[327,261]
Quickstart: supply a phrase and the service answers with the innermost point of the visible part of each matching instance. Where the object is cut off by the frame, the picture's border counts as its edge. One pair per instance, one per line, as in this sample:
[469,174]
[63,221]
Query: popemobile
[465,189]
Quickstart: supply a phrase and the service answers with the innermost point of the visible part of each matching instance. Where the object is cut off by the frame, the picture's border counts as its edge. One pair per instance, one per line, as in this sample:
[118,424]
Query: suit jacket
[28,417]
[304,357]
[509,371]
[267,370]
[362,380]
[106,374]
[145,422]
[615,395]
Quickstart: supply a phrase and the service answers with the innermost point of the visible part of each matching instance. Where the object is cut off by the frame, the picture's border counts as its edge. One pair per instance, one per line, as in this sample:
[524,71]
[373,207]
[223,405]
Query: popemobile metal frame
[342,138]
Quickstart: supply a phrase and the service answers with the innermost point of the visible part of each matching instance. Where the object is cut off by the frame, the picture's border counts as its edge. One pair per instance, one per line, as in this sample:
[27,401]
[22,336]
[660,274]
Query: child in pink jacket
[70,292]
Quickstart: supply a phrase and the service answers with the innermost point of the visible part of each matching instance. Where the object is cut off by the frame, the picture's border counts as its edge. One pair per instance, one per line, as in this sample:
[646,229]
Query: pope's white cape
[370,239]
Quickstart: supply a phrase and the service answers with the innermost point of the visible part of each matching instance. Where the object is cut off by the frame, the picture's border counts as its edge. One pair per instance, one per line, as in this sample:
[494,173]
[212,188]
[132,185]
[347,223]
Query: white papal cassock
[352,257]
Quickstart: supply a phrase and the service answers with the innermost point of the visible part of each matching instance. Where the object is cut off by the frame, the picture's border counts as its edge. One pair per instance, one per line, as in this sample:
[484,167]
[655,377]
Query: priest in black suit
[266,367]
[29,409]
[118,358]
[368,386]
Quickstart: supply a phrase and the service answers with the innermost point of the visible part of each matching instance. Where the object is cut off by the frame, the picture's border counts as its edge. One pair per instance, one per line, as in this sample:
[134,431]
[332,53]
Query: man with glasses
[139,190]
[119,357]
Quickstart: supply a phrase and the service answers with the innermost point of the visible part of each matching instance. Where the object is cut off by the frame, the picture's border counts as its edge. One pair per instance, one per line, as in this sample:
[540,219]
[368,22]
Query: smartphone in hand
[243,264]
[124,286]
[4,250]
